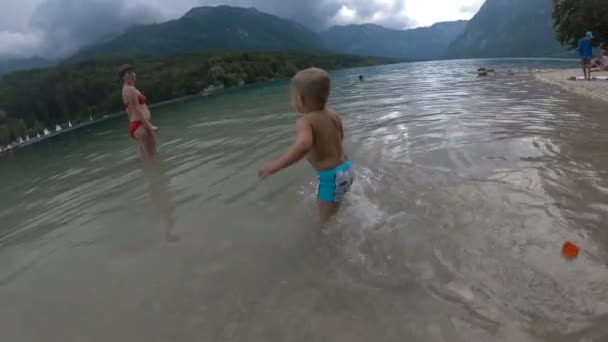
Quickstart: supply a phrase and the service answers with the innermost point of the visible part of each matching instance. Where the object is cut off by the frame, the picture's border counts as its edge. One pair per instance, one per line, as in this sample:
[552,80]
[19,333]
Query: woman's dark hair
[124,69]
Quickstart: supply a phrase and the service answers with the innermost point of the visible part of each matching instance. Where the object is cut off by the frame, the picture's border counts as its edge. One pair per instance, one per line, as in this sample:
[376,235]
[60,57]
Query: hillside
[211,28]
[15,64]
[373,40]
[509,28]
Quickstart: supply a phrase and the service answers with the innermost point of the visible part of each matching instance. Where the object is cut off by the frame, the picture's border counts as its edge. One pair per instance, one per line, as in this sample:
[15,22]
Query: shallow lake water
[466,189]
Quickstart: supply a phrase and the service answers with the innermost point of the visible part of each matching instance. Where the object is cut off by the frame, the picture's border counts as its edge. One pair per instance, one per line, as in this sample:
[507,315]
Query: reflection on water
[466,189]
[160,194]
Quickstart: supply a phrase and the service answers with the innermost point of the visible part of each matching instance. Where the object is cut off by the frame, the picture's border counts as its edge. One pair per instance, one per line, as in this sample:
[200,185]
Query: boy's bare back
[319,136]
[327,151]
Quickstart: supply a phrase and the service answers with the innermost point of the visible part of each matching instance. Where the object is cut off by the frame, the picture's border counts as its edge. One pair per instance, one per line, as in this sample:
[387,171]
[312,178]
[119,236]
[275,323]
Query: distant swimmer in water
[319,136]
[141,129]
[360,77]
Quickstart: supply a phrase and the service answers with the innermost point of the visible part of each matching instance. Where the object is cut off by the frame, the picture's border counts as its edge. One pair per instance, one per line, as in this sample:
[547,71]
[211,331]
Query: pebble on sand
[570,250]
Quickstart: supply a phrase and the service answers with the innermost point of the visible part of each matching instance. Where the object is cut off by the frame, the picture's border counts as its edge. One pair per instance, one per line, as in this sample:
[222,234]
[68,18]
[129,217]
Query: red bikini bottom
[133,126]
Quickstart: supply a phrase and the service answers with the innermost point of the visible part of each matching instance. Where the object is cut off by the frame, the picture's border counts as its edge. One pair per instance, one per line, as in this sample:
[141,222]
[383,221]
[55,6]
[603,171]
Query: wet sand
[594,89]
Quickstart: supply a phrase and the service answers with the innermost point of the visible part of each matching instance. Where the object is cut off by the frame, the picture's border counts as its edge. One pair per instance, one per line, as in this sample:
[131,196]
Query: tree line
[34,99]
[573,18]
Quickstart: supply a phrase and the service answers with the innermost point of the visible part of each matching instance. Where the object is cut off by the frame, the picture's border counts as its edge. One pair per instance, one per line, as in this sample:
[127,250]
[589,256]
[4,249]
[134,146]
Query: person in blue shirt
[585,51]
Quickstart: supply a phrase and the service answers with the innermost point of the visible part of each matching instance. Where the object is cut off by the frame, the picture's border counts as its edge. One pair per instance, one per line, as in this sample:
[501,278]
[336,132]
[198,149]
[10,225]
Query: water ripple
[466,188]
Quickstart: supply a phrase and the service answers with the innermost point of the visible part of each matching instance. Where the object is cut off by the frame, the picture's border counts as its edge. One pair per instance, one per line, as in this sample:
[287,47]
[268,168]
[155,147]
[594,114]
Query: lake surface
[466,189]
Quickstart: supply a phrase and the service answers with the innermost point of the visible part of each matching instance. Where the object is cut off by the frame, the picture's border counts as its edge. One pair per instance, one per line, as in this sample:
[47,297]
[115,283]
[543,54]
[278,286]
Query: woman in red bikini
[140,128]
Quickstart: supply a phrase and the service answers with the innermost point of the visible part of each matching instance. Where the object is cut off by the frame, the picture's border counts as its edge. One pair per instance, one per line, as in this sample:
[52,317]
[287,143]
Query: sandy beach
[594,89]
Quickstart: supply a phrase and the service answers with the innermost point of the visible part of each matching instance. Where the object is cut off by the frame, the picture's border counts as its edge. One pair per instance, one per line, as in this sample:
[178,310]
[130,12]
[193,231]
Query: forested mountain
[233,28]
[14,64]
[374,40]
[509,28]
[211,28]
[32,100]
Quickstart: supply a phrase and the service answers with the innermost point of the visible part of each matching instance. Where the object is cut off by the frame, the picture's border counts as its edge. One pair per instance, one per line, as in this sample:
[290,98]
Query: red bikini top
[142,99]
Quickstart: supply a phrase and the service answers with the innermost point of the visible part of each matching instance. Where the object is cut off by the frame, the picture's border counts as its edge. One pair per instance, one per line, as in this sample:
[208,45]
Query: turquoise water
[466,189]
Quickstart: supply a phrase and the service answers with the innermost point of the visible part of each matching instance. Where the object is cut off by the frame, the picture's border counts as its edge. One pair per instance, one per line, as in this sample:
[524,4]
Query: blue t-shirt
[585,48]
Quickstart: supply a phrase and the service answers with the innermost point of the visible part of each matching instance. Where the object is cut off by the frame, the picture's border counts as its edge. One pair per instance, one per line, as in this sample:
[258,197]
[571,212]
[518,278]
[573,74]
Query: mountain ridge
[501,28]
[9,65]
[208,28]
[375,40]
[509,28]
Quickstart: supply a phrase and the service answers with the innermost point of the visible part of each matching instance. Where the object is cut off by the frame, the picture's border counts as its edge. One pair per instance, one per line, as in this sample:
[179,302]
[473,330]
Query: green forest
[34,99]
[572,18]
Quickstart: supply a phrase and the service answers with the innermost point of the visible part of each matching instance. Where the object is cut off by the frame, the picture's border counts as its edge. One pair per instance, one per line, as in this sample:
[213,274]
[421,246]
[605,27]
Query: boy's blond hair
[314,85]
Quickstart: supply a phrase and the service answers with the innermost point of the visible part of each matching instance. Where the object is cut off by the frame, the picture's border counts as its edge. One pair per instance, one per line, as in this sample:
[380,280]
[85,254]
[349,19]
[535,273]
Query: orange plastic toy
[570,250]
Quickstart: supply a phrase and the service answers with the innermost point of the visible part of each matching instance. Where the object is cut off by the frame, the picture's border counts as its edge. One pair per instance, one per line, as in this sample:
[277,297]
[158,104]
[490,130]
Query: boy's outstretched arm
[295,153]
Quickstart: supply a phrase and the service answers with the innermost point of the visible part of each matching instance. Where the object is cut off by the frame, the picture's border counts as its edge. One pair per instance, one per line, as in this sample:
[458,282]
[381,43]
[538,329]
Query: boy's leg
[327,212]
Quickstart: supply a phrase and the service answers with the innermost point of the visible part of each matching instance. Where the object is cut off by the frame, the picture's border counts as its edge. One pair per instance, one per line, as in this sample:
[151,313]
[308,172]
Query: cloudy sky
[56,28]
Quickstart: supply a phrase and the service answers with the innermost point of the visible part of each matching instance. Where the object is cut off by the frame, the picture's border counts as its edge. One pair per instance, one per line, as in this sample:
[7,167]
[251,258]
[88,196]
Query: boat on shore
[211,89]
[46,133]
[58,130]
[6,148]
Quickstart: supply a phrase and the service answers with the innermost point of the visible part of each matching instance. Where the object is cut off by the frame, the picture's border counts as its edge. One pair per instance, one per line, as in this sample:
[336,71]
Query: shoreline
[205,93]
[594,89]
[32,141]
[93,122]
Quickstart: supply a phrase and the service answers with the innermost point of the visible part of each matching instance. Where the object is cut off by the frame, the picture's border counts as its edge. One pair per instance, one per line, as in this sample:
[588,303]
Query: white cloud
[17,44]
[345,15]
[428,12]
[15,14]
